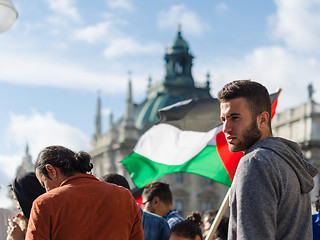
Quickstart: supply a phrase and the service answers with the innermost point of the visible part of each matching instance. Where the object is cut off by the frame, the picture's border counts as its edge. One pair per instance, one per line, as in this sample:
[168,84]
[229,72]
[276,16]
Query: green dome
[146,113]
[178,45]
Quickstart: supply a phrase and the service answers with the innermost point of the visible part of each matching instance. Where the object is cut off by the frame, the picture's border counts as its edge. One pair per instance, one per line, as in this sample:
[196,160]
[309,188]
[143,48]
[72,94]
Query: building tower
[97,131]
[179,62]
[26,165]
[190,191]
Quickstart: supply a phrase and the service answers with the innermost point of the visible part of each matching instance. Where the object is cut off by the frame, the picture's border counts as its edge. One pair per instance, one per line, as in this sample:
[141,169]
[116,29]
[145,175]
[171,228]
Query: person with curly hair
[77,205]
[188,229]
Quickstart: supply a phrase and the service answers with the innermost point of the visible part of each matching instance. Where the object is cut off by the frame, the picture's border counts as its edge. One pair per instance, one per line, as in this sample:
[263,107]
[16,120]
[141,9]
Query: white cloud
[297,23]
[98,32]
[221,7]
[42,71]
[274,67]
[180,14]
[65,8]
[120,4]
[128,46]
[40,131]
[8,166]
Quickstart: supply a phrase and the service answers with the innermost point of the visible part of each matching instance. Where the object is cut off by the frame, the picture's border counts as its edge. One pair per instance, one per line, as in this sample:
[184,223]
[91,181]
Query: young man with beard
[269,197]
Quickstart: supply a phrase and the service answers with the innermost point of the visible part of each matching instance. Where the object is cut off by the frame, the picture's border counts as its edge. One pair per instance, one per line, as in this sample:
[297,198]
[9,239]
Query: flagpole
[218,217]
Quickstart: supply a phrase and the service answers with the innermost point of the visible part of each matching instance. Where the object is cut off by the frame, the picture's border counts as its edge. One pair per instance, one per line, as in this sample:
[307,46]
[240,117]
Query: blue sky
[60,53]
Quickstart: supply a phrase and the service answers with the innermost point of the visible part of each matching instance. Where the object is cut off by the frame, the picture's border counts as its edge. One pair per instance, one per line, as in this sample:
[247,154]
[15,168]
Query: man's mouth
[230,139]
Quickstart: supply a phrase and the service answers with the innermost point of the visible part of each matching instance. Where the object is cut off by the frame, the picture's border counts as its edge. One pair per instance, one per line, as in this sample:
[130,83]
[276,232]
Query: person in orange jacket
[77,205]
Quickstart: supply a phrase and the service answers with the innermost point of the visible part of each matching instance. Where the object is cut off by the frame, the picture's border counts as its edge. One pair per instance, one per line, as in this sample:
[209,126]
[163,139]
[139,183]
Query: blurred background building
[302,125]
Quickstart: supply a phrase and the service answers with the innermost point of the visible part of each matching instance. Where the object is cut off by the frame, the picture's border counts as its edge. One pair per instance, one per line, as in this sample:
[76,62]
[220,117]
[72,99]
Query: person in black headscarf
[26,188]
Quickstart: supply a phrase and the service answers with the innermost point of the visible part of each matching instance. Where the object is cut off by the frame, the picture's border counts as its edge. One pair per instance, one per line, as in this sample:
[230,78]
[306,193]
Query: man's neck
[164,209]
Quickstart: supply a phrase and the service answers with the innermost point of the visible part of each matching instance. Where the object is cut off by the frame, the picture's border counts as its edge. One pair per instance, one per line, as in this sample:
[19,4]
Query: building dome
[178,45]
[177,86]
[147,111]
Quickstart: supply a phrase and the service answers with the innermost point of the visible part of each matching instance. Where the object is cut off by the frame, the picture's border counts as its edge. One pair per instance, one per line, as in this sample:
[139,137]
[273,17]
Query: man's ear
[263,120]
[156,200]
[52,172]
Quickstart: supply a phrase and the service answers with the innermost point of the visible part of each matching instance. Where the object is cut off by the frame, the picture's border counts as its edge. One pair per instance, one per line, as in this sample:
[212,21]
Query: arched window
[178,68]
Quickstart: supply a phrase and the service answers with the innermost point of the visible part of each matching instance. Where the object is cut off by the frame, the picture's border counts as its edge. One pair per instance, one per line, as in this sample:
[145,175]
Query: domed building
[190,192]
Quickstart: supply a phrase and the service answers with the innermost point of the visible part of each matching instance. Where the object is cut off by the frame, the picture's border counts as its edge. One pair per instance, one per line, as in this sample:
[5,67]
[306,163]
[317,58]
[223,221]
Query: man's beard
[250,135]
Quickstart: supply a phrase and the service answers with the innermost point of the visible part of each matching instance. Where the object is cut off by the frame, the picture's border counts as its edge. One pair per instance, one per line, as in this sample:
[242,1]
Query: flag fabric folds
[188,138]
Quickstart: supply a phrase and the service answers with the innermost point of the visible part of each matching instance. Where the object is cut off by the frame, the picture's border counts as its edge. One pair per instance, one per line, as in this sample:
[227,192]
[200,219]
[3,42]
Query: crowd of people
[269,197]
[27,189]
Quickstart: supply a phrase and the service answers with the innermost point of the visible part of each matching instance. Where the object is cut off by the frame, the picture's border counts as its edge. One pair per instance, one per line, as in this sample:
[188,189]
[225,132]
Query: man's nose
[226,126]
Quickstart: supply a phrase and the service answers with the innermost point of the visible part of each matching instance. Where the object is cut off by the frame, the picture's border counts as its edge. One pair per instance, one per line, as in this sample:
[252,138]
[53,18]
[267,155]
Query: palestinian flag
[188,138]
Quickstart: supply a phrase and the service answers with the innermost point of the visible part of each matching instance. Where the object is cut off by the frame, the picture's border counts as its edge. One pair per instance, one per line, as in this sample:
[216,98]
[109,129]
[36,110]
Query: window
[178,68]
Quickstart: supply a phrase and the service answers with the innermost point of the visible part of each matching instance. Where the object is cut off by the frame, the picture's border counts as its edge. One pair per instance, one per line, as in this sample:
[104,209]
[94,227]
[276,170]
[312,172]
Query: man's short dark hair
[116,179]
[158,189]
[255,93]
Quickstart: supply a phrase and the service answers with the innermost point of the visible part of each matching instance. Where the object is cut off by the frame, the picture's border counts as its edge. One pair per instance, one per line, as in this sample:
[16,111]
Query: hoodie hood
[292,154]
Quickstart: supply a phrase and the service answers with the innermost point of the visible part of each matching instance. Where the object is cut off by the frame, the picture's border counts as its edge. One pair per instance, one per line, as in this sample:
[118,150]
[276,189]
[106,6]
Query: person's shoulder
[54,194]
[255,161]
[46,198]
[259,153]
[119,192]
[153,217]
[273,145]
[173,216]
[262,154]
[114,188]
[156,221]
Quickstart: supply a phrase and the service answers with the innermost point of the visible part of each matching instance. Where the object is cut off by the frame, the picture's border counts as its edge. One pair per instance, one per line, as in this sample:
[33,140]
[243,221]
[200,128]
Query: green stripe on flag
[207,164]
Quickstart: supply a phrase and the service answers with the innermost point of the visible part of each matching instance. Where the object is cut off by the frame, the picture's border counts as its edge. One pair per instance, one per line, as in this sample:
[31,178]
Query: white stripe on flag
[179,146]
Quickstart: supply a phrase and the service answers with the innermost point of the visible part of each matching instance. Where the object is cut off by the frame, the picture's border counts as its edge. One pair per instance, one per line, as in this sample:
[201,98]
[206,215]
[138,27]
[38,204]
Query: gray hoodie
[269,197]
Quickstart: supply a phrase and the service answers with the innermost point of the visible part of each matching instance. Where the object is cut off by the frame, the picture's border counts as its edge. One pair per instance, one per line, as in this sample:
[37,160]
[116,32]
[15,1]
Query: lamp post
[8,14]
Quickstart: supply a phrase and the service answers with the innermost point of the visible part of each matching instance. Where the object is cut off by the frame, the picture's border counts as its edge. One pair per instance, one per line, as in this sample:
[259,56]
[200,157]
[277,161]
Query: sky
[61,54]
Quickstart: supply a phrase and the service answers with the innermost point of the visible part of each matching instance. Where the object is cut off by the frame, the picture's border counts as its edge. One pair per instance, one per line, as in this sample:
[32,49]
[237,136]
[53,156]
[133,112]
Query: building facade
[190,192]
[302,125]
